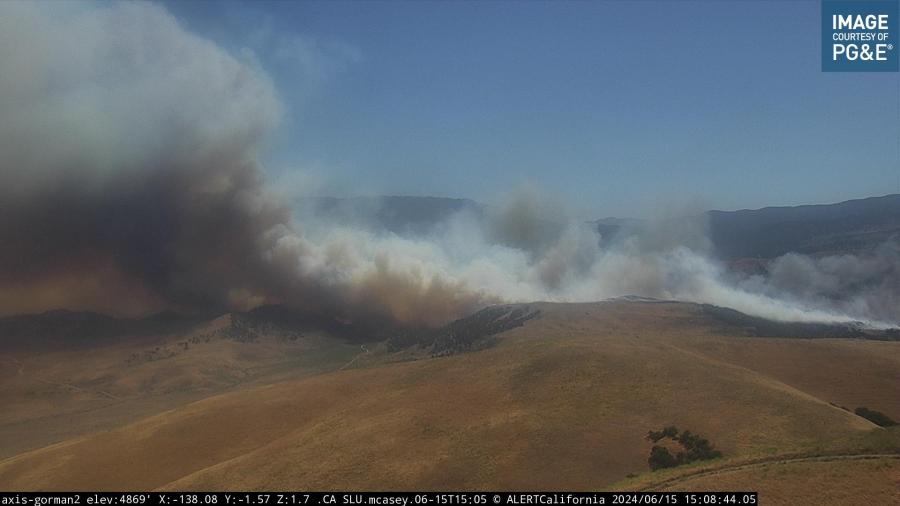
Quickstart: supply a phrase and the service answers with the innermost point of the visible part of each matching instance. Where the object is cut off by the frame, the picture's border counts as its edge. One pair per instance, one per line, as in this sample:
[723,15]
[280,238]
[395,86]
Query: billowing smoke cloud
[514,253]
[866,285]
[129,181]
[127,172]
[129,184]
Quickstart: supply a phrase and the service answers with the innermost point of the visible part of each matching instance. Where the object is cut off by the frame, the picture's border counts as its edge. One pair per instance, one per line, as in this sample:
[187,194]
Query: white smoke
[565,262]
[129,183]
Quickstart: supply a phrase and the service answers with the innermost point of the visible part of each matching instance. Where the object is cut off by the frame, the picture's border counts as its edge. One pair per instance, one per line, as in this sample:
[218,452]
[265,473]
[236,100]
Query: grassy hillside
[874,481]
[563,402]
[51,394]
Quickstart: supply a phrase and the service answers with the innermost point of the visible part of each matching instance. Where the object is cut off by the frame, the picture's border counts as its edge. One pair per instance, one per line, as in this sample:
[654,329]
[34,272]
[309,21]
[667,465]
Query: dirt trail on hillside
[763,463]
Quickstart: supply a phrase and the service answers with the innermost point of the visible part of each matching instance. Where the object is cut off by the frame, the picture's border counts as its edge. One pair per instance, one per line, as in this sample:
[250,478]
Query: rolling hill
[65,374]
[560,400]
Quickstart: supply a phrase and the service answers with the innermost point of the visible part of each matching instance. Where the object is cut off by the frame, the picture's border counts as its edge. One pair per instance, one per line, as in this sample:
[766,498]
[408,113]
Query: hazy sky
[611,107]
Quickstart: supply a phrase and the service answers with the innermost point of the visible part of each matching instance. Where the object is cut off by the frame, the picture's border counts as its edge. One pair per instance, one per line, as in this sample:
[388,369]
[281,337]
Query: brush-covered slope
[562,402]
[862,469]
[64,375]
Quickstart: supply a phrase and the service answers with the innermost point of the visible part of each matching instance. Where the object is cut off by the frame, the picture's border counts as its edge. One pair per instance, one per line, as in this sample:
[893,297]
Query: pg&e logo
[860,36]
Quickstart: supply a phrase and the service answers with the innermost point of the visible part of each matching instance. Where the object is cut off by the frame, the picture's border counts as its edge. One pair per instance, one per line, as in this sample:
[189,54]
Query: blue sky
[614,108]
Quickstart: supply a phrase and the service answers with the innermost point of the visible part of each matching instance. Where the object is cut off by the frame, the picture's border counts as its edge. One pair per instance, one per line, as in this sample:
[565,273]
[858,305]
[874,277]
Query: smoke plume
[866,285]
[129,183]
[127,172]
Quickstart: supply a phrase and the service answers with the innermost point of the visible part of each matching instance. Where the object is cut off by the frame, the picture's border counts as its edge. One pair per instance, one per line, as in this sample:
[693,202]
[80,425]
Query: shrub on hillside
[670,432]
[660,458]
[876,417]
[695,448]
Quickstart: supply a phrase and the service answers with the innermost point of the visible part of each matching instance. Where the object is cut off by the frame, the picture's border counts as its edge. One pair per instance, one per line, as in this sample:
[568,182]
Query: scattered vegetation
[876,417]
[661,458]
[760,327]
[471,333]
[695,448]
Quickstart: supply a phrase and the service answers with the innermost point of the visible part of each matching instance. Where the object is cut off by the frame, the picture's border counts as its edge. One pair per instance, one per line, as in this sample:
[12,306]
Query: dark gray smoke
[129,181]
[866,284]
[129,184]
[127,173]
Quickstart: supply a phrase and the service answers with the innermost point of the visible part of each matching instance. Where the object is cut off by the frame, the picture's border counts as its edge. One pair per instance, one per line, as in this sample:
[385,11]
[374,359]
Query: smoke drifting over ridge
[129,184]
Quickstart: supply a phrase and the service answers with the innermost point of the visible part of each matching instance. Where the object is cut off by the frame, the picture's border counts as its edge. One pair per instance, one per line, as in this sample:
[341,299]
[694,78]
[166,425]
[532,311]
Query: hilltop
[560,400]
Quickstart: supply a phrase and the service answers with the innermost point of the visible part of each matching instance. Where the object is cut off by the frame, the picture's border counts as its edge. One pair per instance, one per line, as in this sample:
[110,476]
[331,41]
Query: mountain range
[846,227]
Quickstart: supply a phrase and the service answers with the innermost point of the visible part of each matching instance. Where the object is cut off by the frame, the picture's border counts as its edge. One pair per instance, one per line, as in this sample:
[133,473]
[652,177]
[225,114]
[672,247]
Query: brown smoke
[129,182]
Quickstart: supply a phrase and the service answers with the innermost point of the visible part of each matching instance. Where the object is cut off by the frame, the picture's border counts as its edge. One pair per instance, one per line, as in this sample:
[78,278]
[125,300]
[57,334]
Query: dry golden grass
[847,457]
[561,403]
[832,482]
[51,396]
[830,369]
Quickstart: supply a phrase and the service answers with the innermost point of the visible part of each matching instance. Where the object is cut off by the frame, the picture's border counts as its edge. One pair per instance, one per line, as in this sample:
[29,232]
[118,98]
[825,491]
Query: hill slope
[562,402]
[64,375]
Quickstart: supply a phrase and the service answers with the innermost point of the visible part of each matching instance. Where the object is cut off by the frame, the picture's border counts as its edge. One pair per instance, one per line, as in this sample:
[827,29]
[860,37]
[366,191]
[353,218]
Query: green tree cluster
[694,447]
[876,417]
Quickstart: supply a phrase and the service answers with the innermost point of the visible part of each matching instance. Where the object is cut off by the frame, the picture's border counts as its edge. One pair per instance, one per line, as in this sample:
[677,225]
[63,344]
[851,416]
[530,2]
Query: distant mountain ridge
[850,226]
[845,227]
[398,214]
